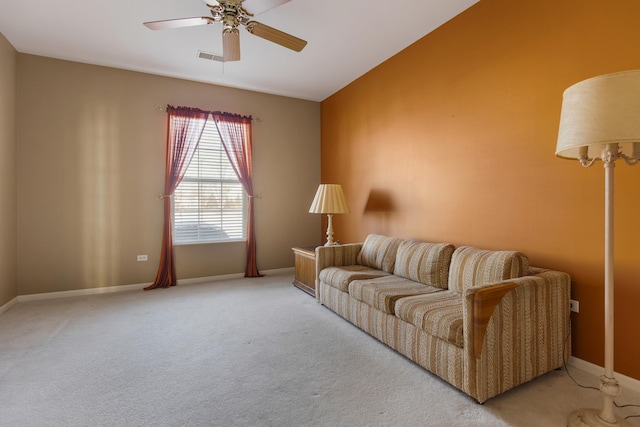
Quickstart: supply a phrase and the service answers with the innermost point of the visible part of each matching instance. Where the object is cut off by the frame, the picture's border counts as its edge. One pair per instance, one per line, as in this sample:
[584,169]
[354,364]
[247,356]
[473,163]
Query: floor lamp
[329,200]
[600,119]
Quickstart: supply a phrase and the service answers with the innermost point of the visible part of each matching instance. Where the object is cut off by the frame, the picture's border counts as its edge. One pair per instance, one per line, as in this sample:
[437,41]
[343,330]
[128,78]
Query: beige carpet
[244,352]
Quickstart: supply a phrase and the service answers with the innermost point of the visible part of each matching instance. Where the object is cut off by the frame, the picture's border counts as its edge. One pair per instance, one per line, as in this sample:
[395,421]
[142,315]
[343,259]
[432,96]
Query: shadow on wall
[378,210]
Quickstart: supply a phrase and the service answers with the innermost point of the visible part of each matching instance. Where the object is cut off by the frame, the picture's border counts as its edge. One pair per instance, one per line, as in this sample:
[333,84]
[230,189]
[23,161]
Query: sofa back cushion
[473,267]
[379,252]
[426,263]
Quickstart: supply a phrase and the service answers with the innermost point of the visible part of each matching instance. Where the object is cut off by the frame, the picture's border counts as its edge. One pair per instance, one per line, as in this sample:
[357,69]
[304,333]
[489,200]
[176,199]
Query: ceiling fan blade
[231,44]
[178,23]
[256,7]
[275,36]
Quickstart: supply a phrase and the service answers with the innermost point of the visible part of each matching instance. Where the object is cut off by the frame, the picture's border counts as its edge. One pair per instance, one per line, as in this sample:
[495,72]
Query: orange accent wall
[453,139]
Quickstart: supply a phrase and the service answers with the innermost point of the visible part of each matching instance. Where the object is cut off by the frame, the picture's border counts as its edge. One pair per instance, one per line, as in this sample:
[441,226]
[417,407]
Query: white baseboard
[198,280]
[80,292]
[624,381]
[8,305]
[122,288]
[278,271]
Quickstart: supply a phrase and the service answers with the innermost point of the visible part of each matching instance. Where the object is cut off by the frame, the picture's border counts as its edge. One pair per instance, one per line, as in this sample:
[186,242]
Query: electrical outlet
[142,258]
[574,306]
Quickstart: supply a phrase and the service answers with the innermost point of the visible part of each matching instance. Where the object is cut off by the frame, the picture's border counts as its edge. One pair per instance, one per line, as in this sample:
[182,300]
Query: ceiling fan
[232,14]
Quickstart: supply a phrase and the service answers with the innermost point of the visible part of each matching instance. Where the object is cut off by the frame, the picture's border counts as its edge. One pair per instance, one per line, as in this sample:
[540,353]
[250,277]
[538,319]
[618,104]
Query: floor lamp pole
[608,384]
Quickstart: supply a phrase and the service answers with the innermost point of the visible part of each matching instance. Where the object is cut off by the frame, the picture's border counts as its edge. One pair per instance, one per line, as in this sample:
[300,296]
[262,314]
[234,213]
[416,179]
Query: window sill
[213,242]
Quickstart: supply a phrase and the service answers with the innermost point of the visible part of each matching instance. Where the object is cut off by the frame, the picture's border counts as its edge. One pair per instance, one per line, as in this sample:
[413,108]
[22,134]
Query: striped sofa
[484,321]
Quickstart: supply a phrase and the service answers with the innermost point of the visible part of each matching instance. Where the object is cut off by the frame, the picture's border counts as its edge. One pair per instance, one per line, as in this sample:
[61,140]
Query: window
[209,204]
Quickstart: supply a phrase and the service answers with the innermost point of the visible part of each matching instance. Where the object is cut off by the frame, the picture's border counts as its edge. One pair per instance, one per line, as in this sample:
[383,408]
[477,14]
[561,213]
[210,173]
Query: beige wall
[8,287]
[453,139]
[91,148]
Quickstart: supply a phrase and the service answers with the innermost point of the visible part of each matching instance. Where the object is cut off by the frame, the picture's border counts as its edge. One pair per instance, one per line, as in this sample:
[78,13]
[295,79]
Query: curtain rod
[163,109]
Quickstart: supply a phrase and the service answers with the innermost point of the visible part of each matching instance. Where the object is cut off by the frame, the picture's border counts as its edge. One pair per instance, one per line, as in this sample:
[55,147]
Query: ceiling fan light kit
[231,44]
[232,15]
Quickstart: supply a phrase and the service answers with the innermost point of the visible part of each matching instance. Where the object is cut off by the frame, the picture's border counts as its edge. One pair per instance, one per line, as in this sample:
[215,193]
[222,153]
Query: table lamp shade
[601,110]
[329,199]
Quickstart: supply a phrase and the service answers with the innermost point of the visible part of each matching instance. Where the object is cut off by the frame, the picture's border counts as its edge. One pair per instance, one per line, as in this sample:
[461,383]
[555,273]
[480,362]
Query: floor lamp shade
[329,199]
[601,110]
[600,120]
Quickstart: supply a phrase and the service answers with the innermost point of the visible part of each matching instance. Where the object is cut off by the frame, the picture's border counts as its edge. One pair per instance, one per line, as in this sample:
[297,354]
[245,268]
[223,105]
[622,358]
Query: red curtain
[184,129]
[235,133]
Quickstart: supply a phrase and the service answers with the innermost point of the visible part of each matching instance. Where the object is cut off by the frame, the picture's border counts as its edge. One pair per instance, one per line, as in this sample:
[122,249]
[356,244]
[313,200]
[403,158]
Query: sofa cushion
[383,292]
[340,277]
[379,252]
[473,267]
[438,314]
[426,263]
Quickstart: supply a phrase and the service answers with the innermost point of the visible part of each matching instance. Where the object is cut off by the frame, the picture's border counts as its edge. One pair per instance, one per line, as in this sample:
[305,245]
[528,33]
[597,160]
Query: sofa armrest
[516,330]
[336,256]
[532,296]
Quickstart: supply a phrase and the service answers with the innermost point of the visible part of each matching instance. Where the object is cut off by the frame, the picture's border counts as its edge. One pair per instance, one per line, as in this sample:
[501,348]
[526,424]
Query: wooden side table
[305,276]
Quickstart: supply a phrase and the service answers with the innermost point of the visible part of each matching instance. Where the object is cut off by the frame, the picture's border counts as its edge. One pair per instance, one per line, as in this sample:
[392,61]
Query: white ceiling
[346,38]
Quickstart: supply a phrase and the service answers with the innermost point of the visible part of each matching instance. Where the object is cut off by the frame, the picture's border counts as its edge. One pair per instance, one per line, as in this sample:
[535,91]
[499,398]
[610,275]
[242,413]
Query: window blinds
[210,204]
